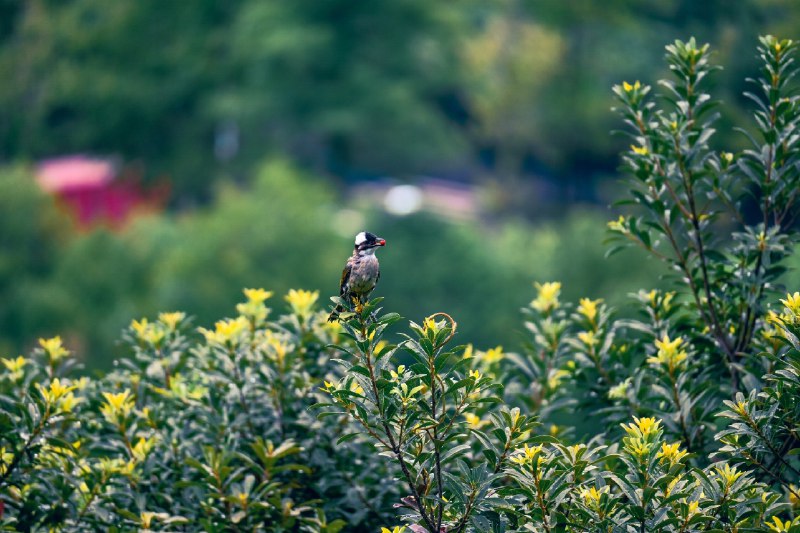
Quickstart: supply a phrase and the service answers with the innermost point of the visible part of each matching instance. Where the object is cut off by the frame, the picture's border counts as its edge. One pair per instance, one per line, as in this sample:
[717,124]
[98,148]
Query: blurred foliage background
[278,129]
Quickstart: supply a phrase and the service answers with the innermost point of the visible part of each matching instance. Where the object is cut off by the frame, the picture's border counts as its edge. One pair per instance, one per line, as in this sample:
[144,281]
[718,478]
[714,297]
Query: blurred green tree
[128,79]
[276,234]
[476,273]
[343,86]
[199,91]
[32,236]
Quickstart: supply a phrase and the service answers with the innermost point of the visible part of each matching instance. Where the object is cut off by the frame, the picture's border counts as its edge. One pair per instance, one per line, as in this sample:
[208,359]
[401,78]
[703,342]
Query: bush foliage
[682,417]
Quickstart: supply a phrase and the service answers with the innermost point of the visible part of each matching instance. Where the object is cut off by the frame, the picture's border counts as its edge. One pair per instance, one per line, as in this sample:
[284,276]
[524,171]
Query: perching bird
[361,272]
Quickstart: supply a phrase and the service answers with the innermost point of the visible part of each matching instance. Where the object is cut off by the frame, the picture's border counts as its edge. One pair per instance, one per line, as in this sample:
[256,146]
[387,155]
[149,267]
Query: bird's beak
[381,242]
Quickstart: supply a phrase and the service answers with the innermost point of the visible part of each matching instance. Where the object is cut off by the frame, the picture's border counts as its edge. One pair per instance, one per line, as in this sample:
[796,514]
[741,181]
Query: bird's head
[367,243]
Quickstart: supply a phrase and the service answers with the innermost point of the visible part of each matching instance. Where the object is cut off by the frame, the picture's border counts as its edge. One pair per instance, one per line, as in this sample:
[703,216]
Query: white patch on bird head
[361,237]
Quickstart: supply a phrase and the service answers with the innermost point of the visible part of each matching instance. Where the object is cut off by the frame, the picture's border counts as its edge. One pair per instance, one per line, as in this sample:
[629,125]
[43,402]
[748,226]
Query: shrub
[215,434]
[211,434]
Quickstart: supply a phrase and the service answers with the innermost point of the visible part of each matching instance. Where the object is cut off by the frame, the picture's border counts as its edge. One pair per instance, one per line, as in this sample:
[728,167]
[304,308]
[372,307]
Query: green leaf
[347,437]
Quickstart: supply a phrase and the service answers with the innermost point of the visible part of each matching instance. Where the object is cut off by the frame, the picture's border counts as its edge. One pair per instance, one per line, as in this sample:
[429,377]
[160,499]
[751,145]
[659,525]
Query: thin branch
[429,522]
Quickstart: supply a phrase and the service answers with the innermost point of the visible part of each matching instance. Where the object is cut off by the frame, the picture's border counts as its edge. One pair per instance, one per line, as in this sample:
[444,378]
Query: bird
[361,272]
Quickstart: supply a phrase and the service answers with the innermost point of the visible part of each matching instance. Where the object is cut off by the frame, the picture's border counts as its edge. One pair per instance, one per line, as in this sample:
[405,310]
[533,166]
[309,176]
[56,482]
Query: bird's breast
[364,274]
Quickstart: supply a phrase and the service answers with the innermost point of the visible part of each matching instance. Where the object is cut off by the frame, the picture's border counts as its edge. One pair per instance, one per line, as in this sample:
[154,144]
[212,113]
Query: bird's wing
[345,278]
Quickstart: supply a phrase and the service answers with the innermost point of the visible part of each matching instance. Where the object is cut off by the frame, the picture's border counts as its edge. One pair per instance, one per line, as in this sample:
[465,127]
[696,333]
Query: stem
[732,210]
[775,452]
[540,499]
[243,401]
[33,436]
[677,399]
[683,263]
[722,338]
[402,425]
[767,210]
[167,375]
[595,357]
[503,455]
[750,317]
[436,452]
[429,522]
[457,412]
[665,225]
[95,490]
[371,432]
[125,440]
[644,505]
[699,245]
[787,209]
[771,474]
[721,519]
[685,523]
[221,492]
[462,523]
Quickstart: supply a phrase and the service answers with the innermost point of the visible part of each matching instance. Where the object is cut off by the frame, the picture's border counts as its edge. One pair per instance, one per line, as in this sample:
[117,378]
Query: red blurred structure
[95,192]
